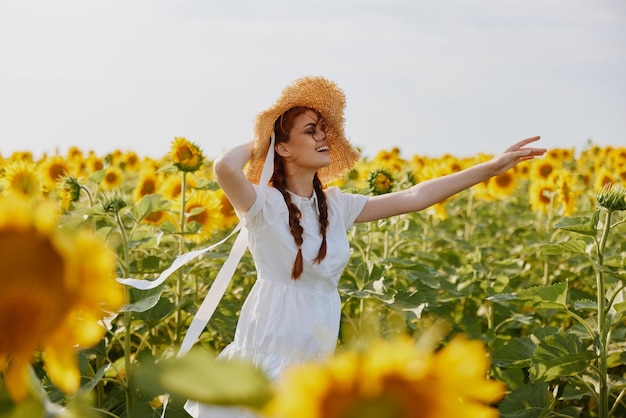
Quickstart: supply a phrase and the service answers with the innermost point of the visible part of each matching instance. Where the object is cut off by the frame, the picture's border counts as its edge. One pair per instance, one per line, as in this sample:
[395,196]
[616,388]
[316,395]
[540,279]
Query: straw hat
[318,94]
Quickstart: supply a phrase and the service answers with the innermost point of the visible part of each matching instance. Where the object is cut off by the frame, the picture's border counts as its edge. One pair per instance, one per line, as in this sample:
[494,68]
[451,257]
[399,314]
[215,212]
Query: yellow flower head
[203,210]
[542,195]
[503,185]
[22,155]
[148,184]
[391,379]
[566,192]
[229,217]
[75,154]
[381,181]
[390,159]
[53,289]
[158,217]
[482,190]
[172,186]
[602,177]
[22,178]
[185,155]
[130,161]
[52,170]
[541,170]
[112,178]
[93,163]
[69,192]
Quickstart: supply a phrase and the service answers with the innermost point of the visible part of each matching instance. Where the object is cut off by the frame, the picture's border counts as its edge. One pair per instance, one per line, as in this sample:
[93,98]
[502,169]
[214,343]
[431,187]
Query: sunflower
[54,287]
[172,186]
[381,181]
[147,184]
[203,211]
[112,178]
[482,190]
[391,379]
[229,217]
[75,154]
[22,155]
[542,196]
[602,177]
[612,197]
[52,169]
[158,217]
[566,193]
[22,178]
[503,185]
[390,159]
[130,161]
[93,163]
[541,170]
[186,155]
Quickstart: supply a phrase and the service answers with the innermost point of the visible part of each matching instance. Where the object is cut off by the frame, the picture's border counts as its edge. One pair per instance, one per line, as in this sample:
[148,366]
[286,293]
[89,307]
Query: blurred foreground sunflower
[54,288]
[392,379]
[21,177]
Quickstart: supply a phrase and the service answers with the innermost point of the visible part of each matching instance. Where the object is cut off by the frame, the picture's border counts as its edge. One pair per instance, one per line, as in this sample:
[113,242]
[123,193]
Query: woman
[297,229]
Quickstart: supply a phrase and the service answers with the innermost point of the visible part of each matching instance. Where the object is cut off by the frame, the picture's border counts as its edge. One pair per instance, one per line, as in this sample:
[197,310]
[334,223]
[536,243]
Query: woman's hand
[515,154]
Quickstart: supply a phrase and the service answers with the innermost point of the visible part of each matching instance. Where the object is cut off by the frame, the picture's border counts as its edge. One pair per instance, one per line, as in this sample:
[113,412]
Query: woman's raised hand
[515,154]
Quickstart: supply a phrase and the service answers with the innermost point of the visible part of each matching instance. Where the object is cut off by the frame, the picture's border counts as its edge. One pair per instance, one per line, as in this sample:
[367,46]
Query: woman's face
[307,145]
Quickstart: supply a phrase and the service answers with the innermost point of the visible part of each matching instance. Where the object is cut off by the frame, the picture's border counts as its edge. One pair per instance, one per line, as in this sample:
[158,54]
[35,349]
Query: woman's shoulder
[335,194]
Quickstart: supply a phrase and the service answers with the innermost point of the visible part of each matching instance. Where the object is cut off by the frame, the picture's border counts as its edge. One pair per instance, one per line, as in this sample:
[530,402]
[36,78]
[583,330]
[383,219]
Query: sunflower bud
[186,155]
[71,187]
[113,202]
[381,181]
[612,197]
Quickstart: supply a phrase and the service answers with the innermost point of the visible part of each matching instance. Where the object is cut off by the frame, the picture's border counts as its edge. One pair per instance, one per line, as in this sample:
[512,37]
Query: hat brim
[323,96]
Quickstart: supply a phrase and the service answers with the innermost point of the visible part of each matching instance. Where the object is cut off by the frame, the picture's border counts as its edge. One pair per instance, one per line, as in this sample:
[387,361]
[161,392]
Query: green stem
[468,213]
[582,322]
[603,330]
[618,400]
[181,249]
[89,195]
[127,315]
[105,412]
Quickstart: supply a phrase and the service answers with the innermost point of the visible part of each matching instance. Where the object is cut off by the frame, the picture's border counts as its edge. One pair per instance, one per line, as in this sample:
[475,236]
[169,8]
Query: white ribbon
[180,261]
[220,284]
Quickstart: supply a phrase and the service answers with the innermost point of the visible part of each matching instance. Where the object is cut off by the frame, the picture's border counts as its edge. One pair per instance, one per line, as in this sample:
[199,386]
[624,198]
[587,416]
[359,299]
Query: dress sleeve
[348,205]
[268,209]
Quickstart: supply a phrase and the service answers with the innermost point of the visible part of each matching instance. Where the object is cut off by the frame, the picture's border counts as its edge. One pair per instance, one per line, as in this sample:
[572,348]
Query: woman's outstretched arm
[432,191]
[229,174]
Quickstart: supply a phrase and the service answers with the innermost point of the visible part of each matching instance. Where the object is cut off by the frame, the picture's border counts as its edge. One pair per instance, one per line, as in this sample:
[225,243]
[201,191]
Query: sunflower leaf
[543,297]
[97,176]
[580,224]
[515,353]
[575,246]
[527,401]
[142,300]
[198,376]
[559,355]
[147,205]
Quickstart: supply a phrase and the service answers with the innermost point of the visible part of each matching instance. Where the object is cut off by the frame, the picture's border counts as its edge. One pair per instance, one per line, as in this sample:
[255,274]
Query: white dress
[285,321]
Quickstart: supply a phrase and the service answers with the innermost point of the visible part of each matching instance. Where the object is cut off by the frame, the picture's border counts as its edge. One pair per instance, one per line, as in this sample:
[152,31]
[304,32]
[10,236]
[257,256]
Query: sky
[427,76]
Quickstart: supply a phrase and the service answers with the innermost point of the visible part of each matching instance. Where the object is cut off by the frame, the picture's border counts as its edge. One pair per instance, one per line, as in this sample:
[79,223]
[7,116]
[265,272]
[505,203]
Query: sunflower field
[508,299]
